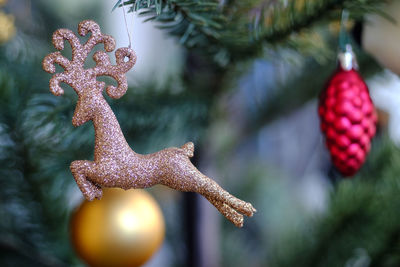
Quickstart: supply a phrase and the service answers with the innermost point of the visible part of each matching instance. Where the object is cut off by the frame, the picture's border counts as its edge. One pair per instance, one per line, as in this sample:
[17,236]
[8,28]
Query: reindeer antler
[48,65]
[74,68]
[104,68]
[64,34]
[48,62]
[97,37]
[103,64]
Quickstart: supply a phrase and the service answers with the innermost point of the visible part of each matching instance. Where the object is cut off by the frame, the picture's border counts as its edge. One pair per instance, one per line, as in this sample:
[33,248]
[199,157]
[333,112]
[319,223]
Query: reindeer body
[115,163]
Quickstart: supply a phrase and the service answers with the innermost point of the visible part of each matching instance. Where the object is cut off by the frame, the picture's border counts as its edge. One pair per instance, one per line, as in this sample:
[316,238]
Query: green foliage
[360,225]
[239,30]
[33,210]
[197,24]
[299,15]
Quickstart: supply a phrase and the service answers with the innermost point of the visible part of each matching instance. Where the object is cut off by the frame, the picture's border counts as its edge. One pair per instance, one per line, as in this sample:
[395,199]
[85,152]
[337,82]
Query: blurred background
[240,79]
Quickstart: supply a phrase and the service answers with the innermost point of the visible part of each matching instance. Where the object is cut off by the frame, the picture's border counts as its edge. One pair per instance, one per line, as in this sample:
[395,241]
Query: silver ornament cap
[347,59]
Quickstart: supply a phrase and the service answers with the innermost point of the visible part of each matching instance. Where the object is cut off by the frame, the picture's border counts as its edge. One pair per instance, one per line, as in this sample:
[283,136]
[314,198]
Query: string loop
[126,24]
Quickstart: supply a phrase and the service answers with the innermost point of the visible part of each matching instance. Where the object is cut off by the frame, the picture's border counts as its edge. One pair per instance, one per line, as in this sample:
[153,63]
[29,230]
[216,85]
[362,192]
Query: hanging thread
[126,24]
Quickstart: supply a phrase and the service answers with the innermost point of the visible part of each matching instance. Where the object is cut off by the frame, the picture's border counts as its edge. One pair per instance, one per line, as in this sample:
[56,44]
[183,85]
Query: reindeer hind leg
[210,189]
[187,178]
[229,213]
[80,170]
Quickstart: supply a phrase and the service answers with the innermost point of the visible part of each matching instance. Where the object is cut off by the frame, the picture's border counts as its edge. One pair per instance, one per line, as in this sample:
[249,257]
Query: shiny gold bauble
[123,229]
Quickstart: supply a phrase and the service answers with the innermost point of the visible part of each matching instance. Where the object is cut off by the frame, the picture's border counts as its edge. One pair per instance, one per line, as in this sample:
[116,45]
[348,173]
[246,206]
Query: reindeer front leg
[81,169]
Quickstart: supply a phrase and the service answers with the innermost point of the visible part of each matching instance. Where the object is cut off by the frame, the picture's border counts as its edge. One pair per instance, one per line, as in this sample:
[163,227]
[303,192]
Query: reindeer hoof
[248,210]
[238,222]
[93,192]
[254,210]
[89,196]
[98,193]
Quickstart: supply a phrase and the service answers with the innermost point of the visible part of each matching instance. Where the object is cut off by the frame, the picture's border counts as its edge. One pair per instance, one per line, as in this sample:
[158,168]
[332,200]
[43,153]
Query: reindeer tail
[188,149]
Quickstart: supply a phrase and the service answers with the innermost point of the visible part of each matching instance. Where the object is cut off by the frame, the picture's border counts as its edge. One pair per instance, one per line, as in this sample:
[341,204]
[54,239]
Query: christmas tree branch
[359,223]
[241,29]
[294,18]
[193,21]
[11,245]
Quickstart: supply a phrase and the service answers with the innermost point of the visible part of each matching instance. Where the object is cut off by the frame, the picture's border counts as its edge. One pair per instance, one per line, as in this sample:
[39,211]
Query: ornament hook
[126,24]
[346,56]
[343,36]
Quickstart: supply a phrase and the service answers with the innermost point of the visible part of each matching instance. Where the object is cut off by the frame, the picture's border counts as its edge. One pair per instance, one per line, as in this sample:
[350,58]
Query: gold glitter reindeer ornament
[115,163]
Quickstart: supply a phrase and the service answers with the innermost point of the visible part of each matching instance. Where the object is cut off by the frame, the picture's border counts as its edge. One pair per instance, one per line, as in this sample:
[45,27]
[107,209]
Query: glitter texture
[115,163]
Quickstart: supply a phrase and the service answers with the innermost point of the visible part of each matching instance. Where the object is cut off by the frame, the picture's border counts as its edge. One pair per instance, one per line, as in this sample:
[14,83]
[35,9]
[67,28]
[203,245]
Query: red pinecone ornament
[348,120]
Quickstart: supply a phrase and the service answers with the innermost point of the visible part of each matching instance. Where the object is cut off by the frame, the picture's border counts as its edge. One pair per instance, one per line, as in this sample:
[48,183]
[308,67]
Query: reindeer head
[82,80]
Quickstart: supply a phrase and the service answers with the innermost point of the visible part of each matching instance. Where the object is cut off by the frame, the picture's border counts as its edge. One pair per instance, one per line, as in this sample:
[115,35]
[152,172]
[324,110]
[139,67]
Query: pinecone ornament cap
[348,119]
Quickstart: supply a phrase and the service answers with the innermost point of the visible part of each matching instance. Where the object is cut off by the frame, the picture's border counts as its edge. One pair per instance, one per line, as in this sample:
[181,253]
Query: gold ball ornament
[123,229]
